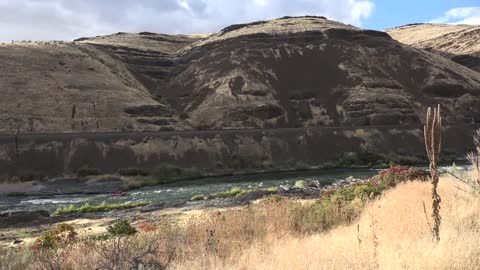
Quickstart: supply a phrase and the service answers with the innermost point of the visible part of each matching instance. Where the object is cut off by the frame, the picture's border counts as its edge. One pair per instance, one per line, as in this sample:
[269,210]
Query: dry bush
[151,250]
[127,253]
[15,259]
[470,179]
[52,259]
[52,249]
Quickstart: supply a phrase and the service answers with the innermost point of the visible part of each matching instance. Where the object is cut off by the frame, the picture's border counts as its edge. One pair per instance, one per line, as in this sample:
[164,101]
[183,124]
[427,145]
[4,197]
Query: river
[179,193]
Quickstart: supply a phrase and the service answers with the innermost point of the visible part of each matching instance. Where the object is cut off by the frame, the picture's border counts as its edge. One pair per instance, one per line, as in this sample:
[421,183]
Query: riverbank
[89,182]
[273,230]
[169,194]
[17,225]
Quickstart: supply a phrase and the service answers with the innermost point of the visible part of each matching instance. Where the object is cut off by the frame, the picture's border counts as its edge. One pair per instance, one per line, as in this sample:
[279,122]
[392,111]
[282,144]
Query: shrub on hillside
[122,228]
[147,227]
[55,238]
[132,172]
[361,158]
[300,183]
[168,172]
[88,171]
[394,175]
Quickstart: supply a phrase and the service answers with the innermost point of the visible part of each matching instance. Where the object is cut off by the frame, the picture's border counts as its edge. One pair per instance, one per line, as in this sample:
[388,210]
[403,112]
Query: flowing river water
[180,193]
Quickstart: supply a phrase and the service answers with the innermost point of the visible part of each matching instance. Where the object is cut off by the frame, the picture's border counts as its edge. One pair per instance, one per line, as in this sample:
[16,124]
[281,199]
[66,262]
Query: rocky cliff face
[151,59]
[460,43]
[309,71]
[289,72]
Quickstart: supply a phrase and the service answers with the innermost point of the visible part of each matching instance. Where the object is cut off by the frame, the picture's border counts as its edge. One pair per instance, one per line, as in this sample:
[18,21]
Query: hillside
[457,42]
[65,87]
[289,72]
[309,71]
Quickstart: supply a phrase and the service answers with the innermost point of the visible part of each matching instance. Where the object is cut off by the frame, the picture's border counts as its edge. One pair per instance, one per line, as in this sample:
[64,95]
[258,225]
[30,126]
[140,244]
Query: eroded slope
[61,88]
[460,43]
[289,72]
[309,71]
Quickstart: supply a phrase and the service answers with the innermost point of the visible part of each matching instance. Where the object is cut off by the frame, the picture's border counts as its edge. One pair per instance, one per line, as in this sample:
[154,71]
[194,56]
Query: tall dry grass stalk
[433,144]
[474,158]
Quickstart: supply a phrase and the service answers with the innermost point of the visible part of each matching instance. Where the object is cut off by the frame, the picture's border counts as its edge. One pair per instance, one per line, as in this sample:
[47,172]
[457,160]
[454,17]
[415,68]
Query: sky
[70,19]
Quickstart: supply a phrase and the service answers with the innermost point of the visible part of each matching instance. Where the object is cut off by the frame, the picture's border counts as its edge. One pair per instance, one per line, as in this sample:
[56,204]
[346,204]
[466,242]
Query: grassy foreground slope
[392,233]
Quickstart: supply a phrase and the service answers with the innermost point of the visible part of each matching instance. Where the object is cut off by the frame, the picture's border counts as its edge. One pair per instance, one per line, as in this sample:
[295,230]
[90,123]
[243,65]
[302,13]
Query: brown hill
[309,71]
[79,86]
[289,72]
[457,42]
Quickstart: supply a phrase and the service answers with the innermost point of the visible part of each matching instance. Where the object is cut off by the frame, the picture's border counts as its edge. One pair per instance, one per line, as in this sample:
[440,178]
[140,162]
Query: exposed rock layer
[289,72]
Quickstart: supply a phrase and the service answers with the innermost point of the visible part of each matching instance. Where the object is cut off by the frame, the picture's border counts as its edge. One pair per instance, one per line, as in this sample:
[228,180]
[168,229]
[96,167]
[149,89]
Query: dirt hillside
[288,72]
[461,43]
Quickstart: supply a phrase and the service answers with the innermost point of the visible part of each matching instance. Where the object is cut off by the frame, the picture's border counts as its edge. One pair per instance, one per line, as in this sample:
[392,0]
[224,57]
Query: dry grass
[389,233]
[404,239]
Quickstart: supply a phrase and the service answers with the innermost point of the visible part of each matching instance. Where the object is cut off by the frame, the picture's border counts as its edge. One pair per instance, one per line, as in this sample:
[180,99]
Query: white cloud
[69,19]
[463,15]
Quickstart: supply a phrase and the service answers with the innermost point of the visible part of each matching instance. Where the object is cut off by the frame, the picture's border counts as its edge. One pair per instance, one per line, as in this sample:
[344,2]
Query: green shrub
[367,191]
[396,174]
[191,173]
[197,197]
[133,186]
[300,184]
[29,176]
[88,171]
[122,228]
[344,194]
[363,191]
[164,174]
[329,165]
[324,214]
[271,189]
[234,192]
[132,172]
[167,173]
[16,194]
[361,158]
[53,239]
[302,166]
[103,207]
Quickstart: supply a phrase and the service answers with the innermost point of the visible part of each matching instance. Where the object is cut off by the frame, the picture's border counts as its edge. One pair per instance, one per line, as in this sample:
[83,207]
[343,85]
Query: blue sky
[391,13]
[70,19]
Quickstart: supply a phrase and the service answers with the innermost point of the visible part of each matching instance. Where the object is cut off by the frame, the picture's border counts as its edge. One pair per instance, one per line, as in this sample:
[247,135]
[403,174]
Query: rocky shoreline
[309,190]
